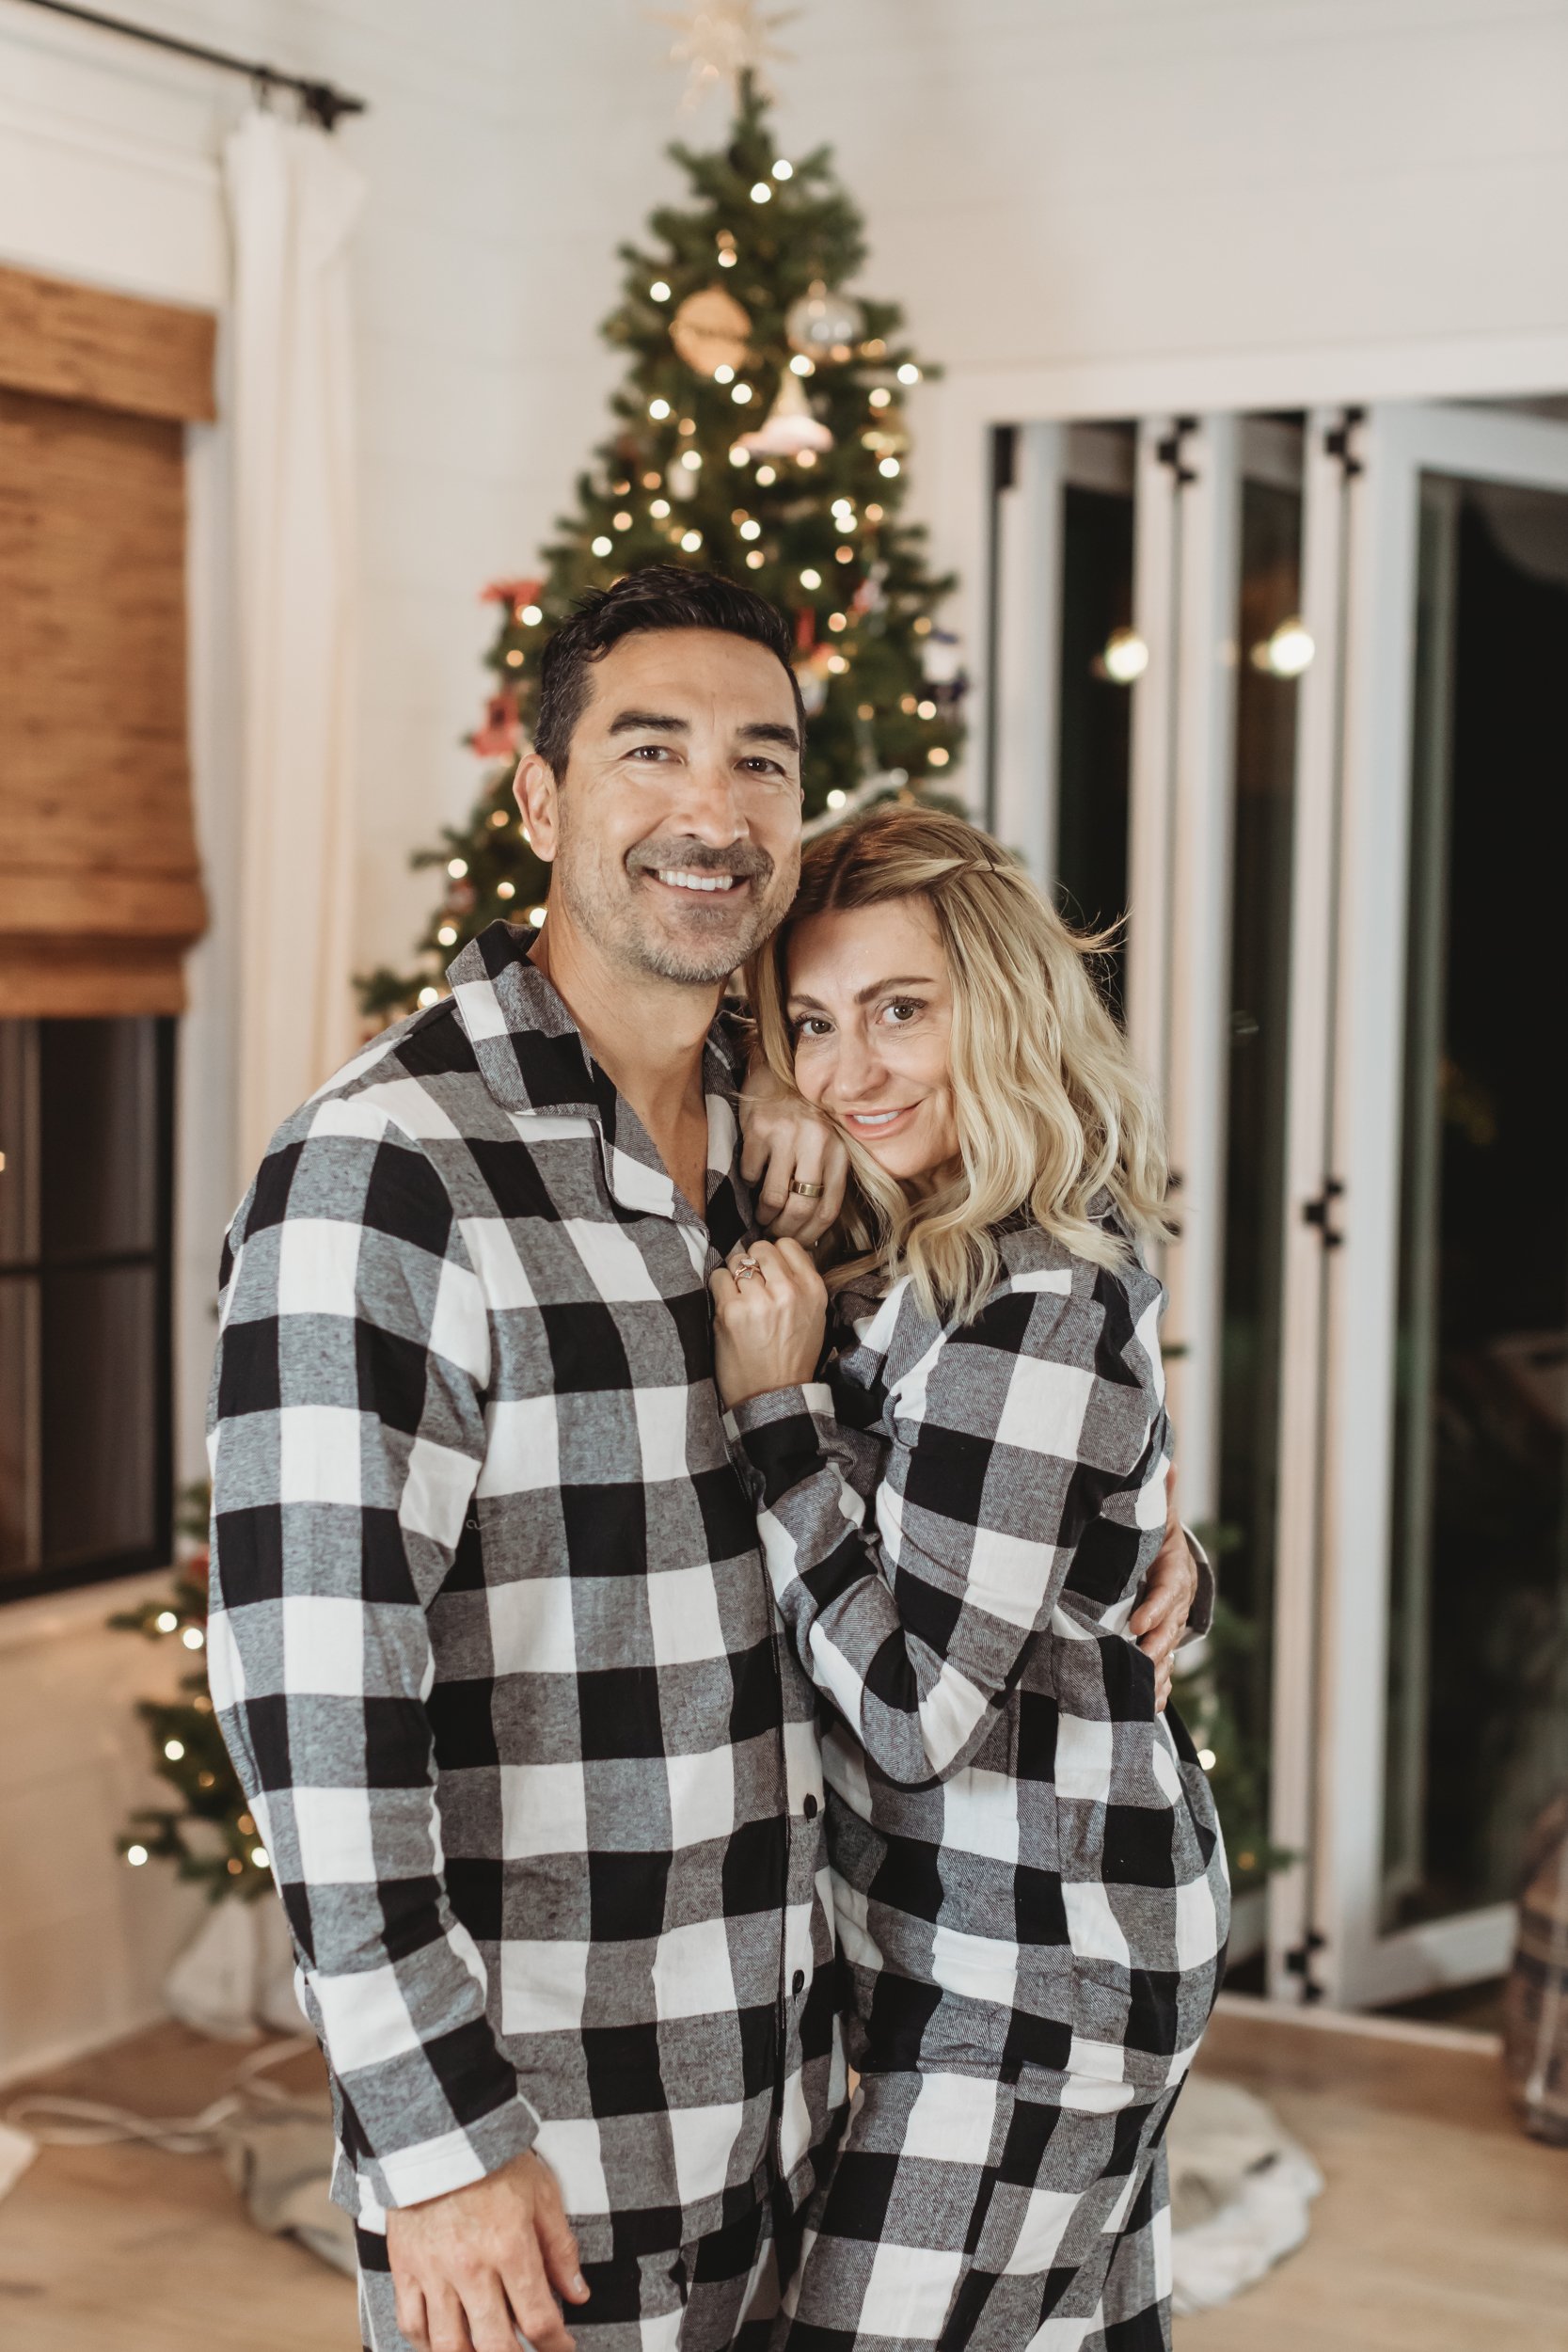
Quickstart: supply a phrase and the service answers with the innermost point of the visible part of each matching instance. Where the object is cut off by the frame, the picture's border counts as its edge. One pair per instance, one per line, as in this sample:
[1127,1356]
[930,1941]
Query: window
[86,1470]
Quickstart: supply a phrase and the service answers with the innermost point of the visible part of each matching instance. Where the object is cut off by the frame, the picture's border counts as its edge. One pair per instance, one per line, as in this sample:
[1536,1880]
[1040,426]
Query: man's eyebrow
[647,723]
[770,731]
[662,723]
[865,995]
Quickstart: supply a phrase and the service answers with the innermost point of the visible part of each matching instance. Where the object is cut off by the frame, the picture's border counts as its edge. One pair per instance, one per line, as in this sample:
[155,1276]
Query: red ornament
[805,628]
[499,737]
[513,592]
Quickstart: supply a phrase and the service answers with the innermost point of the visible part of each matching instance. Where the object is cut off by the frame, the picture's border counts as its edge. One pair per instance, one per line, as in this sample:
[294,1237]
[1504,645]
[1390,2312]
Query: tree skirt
[17,2150]
[236,1976]
[1241,2193]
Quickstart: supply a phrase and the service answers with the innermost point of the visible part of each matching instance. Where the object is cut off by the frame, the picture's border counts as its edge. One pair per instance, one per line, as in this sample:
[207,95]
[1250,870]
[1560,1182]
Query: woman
[1029,1871]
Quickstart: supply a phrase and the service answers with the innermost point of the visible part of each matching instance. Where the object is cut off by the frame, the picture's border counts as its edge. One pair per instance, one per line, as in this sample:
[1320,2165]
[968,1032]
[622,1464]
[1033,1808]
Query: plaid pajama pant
[721,2294]
[981,2215]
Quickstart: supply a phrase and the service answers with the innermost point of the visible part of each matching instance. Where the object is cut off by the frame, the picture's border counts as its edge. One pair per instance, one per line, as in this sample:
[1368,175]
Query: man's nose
[707,805]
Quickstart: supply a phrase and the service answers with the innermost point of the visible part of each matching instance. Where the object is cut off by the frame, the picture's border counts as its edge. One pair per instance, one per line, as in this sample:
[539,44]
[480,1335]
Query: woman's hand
[787,1144]
[769,1311]
[1169,1591]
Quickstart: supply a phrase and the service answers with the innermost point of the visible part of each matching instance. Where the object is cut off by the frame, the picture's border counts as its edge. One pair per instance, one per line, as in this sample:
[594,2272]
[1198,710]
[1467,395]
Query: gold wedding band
[746,1266]
[809,1192]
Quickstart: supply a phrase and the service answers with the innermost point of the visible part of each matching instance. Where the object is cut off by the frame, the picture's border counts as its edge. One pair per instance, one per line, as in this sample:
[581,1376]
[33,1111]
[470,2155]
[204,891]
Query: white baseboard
[1316,2018]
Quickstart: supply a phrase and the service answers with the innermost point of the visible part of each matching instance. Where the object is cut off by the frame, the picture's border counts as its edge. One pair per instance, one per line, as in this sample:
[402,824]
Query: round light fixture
[1126,656]
[1287,652]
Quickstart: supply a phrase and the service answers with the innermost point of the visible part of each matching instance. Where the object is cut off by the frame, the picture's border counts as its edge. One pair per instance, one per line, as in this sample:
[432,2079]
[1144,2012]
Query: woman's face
[871,1006]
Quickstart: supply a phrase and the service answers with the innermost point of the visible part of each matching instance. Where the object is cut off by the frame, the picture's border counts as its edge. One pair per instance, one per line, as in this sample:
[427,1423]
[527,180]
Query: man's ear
[533,788]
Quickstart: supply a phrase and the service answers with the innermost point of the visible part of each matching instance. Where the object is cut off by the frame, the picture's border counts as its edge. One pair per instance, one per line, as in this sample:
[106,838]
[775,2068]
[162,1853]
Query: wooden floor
[125,2250]
[1441,2229]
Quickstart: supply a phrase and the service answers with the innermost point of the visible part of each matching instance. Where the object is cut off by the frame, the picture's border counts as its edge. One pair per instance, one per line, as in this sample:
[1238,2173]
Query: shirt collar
[535,1062]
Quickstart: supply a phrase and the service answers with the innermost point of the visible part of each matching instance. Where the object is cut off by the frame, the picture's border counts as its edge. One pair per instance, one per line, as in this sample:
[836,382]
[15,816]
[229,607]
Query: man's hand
[1170,1589]
[786,1142]
[475,2268]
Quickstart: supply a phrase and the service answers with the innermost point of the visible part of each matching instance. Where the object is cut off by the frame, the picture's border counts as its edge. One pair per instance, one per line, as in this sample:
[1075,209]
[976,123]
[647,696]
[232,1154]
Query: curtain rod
[322,102]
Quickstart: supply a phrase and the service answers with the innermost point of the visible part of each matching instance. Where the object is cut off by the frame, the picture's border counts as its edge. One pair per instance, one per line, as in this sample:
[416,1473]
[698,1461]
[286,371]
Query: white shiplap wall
[1089,206]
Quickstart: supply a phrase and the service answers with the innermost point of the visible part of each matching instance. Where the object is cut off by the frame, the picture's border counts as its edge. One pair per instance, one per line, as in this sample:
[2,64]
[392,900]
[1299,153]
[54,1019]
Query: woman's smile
[877,1123]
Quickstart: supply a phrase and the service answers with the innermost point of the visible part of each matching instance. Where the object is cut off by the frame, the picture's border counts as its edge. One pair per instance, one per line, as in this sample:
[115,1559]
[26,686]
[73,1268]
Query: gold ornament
[722,41]
[789,429]
[710,330]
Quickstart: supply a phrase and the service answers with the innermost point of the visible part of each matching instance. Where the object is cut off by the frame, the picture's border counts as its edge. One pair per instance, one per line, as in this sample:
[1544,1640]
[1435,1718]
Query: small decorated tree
[207,1832]
[1210,1696]
[760,433]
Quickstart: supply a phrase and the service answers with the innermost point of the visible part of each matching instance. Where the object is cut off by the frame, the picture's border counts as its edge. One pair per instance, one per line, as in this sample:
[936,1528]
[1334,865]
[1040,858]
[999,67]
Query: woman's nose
[860,1067]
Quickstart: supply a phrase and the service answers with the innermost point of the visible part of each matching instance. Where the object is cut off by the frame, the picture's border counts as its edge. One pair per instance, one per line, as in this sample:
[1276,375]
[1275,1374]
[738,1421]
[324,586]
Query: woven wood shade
[99,884]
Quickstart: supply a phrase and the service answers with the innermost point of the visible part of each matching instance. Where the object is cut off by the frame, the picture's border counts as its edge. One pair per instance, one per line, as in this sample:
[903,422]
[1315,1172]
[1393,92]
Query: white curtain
[294,201]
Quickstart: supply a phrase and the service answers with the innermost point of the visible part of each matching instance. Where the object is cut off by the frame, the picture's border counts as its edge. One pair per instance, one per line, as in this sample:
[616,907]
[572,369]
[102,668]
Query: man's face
[676,831]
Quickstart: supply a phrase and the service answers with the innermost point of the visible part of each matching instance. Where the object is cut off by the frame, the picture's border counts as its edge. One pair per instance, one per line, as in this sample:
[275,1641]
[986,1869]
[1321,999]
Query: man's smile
[676,878]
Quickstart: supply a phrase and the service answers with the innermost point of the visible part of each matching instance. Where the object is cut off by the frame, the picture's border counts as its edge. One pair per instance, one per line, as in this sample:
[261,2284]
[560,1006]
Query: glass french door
[1146,668]
[1421,1656]
[1284,690]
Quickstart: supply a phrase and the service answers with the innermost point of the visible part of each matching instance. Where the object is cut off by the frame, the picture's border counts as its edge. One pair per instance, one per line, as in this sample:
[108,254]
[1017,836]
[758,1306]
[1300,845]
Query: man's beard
[719,936]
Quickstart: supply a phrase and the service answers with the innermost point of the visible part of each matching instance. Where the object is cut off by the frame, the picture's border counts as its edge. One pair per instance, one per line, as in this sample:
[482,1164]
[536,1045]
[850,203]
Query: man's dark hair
[661,596]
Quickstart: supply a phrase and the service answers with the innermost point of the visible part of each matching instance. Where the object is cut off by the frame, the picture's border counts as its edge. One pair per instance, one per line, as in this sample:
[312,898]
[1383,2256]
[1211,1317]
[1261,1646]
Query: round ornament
[789,426]
[824,326]
[710,330]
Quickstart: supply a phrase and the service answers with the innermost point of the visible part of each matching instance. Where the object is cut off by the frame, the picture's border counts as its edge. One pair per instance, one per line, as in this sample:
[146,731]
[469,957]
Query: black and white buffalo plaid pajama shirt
[496,1655]
[1028,1873]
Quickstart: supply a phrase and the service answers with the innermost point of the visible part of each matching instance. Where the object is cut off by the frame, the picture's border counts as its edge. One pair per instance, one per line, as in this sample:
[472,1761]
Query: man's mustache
[681,854]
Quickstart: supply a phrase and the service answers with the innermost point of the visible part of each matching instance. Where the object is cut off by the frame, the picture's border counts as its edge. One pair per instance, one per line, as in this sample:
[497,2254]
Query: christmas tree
[208,1835]
[759,433]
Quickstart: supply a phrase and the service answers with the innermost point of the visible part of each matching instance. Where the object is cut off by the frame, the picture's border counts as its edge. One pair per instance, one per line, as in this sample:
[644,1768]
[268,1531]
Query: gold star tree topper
[723,41]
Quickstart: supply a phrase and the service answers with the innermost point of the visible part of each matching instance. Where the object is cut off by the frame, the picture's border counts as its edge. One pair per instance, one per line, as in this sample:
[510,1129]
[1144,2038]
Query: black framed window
[87,1125]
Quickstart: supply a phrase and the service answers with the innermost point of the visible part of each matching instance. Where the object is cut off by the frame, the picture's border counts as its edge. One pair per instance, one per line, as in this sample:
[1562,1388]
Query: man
[492,1643]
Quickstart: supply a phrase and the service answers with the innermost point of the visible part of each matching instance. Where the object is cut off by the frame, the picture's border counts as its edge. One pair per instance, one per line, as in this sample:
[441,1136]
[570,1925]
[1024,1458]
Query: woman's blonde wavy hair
[1050,1108]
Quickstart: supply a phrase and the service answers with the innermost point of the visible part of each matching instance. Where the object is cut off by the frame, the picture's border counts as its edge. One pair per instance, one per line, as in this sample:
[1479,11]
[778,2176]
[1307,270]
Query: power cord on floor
[57,2121]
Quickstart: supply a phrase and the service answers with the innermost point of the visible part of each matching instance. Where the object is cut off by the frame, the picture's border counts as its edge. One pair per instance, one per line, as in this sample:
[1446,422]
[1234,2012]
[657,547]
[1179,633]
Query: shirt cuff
[468,2152]
[775,1438]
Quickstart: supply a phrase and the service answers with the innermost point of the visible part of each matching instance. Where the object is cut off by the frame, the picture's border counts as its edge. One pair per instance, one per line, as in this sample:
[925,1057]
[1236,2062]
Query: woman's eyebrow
[865,995]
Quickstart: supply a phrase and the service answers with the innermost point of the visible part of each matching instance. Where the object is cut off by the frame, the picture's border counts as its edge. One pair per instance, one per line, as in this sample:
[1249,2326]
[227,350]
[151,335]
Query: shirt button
[798,1982]
[809,1808]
